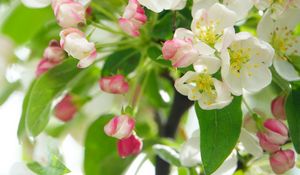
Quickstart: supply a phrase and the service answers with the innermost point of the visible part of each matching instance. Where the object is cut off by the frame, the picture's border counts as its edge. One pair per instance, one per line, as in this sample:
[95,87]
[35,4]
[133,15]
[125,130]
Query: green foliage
[55,166]
[167,153]
[154,54]
[295,60]
[293,117]
[7,90]
[23,23]
[101,155]
[124,61]
[44,90]
[164,28]
[219,133]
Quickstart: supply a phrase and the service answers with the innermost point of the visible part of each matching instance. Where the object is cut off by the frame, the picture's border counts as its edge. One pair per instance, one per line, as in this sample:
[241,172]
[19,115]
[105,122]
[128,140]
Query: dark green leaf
[219,133]
[154,54]
[164,28]
[293,117]
[167,153]
[101,151]
[295,60]
[23,23]
[124,62]
[46,88]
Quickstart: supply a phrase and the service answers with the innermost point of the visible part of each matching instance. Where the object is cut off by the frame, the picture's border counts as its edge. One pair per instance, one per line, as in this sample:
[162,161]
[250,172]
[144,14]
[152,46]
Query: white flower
[36,3]
[190,156]
[245,64]
[241,8]
[210,92]
[75,44]
[276,7]
[280,35]
[19,168]
[250,143]
[160,5]
[209,24]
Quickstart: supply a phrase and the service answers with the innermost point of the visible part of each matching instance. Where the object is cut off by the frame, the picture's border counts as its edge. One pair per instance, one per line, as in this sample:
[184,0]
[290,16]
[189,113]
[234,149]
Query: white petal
[180,85]
[202,4]
[251,144]
[152,5]
[224,16]
[241,8]
[229,166]
[255,78]
[226,39]
[290,18]
[36,3]
[20,169]
[209,63]
[190,151]
[204,49]
[265,27]
[286,70]
[295,48]
[182,33]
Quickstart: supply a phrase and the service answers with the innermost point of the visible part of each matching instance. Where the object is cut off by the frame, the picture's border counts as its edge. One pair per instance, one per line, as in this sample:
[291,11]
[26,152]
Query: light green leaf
[293,117]
[45,89]
[164,28]
[7,90]
[219,133]
[23,23]
[101,155]
[167,153]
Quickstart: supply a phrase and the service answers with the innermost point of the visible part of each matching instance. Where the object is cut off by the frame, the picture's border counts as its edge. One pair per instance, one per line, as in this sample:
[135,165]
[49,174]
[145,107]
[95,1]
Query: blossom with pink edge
[180,52]
[278,108]
[275,134]
[66,109]
[53,55]
[73,41]
[282,161]
[133,18]
[115,84]
[120,127]
[129,146]
[69,13]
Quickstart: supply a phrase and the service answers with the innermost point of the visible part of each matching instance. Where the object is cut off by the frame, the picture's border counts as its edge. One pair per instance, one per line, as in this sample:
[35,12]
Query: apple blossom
[133,18]
[158,6]
[66,109]
[275,7]
[115,84]
[73,41]
[274,135]
[44,65]
[36,3]
[69,13]
[208,91]
[208,24]
[129,146]
[250,143]
[245,64]
[279,33]
[278,107]
[282,161]
[54,52]
[120,127]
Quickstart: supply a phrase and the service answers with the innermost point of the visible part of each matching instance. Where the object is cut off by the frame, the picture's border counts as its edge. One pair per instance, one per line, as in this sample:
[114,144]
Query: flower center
[238,57]
[204,84]
[282,40]
[207,31]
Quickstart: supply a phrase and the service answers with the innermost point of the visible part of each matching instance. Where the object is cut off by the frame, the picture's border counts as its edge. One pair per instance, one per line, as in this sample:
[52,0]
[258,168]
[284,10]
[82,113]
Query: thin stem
[248,107]
[104,11]
[104,27]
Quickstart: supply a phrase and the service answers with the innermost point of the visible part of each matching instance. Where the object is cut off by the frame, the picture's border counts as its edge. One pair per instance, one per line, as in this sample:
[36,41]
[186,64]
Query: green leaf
[219,133]
[167,153]
[7,90]
[45,89]
[55,167]
[295,60]
[101,155]
[154,54]
[164,28]
[293,117]
[124,62]
[23,23]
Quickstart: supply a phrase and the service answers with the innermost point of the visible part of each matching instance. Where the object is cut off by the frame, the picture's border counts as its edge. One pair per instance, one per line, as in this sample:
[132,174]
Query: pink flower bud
[275,134]
[65,110]
[130,146]
[69,13]
[115,84]
[44,65]
[120,127]
[54,52]
[180,52]
[282,161]
[73,41]
[277,108]
[133,18]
